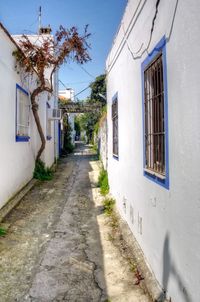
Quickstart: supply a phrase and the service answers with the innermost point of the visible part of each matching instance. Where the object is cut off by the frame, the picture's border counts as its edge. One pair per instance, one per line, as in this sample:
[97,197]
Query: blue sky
[103,17]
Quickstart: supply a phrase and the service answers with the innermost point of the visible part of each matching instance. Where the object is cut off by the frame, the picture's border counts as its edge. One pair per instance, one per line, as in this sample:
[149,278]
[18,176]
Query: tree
[49,54]
[89,120]
[98,88]
[77,125]
[67,144]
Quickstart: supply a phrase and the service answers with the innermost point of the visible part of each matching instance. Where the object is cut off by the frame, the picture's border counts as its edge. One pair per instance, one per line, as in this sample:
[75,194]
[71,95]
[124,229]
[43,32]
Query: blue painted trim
[59,139]
[115,96]
[16,113]
[48,105]
[19,138]
[22,138]
[22,89]
[48,137]
[160,47]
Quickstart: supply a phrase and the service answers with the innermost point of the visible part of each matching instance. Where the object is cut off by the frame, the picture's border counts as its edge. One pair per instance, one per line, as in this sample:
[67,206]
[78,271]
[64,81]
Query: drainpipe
[55,122]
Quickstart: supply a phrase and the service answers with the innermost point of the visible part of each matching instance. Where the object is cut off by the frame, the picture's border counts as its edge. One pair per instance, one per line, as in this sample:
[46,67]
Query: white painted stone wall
[102,141]
[71,117]
[165,222]
[17,159]
[69,95]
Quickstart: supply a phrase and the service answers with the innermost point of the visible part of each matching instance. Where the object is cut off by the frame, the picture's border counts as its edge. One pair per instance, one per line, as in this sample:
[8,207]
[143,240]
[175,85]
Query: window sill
[153,173]
[116,156]
[48,138]
[20,138]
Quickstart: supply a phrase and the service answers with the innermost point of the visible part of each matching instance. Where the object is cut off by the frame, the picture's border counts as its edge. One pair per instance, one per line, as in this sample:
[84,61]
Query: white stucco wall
[17,159]
[71,117]
[69,95]
[102,141]
[165,222]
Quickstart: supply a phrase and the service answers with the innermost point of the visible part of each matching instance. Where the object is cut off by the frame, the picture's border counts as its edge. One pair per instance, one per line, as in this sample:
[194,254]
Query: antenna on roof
[41,29]
[39,19]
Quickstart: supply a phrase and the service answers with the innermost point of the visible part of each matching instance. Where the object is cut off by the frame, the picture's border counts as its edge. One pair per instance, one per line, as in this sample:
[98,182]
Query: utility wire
[82,90]
[62,84]
[73,83]
[87,72]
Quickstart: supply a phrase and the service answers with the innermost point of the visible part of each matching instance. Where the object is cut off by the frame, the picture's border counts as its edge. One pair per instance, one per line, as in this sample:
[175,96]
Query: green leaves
[103,182]
[108,204]
[2,232]
[41,172]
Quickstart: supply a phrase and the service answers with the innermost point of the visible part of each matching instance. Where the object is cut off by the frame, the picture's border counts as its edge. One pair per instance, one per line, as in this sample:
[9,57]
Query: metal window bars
[115,127]
[154,117]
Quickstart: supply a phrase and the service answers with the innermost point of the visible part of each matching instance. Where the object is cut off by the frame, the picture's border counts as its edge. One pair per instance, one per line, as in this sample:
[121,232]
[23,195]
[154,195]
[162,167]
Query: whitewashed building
[19,137]
[102,140]
[68,95]
[153,93]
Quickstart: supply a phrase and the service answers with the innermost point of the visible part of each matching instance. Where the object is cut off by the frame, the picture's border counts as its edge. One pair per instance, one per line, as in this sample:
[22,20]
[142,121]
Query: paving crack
[94,265]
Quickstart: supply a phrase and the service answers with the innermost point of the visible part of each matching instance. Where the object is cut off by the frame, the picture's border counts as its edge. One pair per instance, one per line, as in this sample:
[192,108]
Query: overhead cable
[87,72]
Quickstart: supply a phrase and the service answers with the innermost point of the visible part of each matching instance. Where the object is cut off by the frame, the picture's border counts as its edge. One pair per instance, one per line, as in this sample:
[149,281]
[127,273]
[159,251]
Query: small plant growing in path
[2,232]
[41,172]
[108,206]
[138,277]
[116,237]
[103,182]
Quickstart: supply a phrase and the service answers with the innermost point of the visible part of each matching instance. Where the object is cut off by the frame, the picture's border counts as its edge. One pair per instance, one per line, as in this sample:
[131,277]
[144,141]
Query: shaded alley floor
[57,246]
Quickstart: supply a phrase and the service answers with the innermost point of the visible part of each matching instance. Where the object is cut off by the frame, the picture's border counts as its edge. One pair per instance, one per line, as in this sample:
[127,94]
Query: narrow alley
[57,246]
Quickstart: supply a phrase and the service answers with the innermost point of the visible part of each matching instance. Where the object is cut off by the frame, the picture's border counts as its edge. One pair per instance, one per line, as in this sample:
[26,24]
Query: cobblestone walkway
[57,246]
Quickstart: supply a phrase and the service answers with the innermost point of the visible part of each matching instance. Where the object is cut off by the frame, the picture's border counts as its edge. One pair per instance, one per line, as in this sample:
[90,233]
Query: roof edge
[13,41]
[9,36]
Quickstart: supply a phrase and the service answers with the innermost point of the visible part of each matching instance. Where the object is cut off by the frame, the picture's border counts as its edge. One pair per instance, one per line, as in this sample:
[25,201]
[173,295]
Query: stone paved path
[57,246]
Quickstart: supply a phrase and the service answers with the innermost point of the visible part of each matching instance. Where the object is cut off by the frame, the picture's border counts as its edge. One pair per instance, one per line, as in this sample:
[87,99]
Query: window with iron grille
[115,126]
[154,117]
[48,123]
[22,114]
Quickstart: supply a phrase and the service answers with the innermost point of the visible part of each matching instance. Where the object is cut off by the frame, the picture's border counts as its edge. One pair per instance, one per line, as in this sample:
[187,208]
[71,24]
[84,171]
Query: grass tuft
[41,172]
[108,204]
[2,232]
[103,182]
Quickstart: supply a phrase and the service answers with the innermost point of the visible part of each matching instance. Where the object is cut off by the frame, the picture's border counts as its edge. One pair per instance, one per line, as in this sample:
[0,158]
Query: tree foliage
[49,53]
[67,130]
[98,88]
[88,121]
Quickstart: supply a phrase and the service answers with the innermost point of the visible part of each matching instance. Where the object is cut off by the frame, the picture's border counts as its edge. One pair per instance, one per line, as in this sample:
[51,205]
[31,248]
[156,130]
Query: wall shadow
[169,270]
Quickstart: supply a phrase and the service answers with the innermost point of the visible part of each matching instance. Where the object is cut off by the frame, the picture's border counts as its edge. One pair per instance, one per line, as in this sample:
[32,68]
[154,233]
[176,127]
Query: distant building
[67,93]
[64,96]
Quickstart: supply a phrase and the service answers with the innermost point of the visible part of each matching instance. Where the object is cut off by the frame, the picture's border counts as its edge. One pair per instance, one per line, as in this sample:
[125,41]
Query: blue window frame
[22,114]
[155,115]
[48,123]
[115,126]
